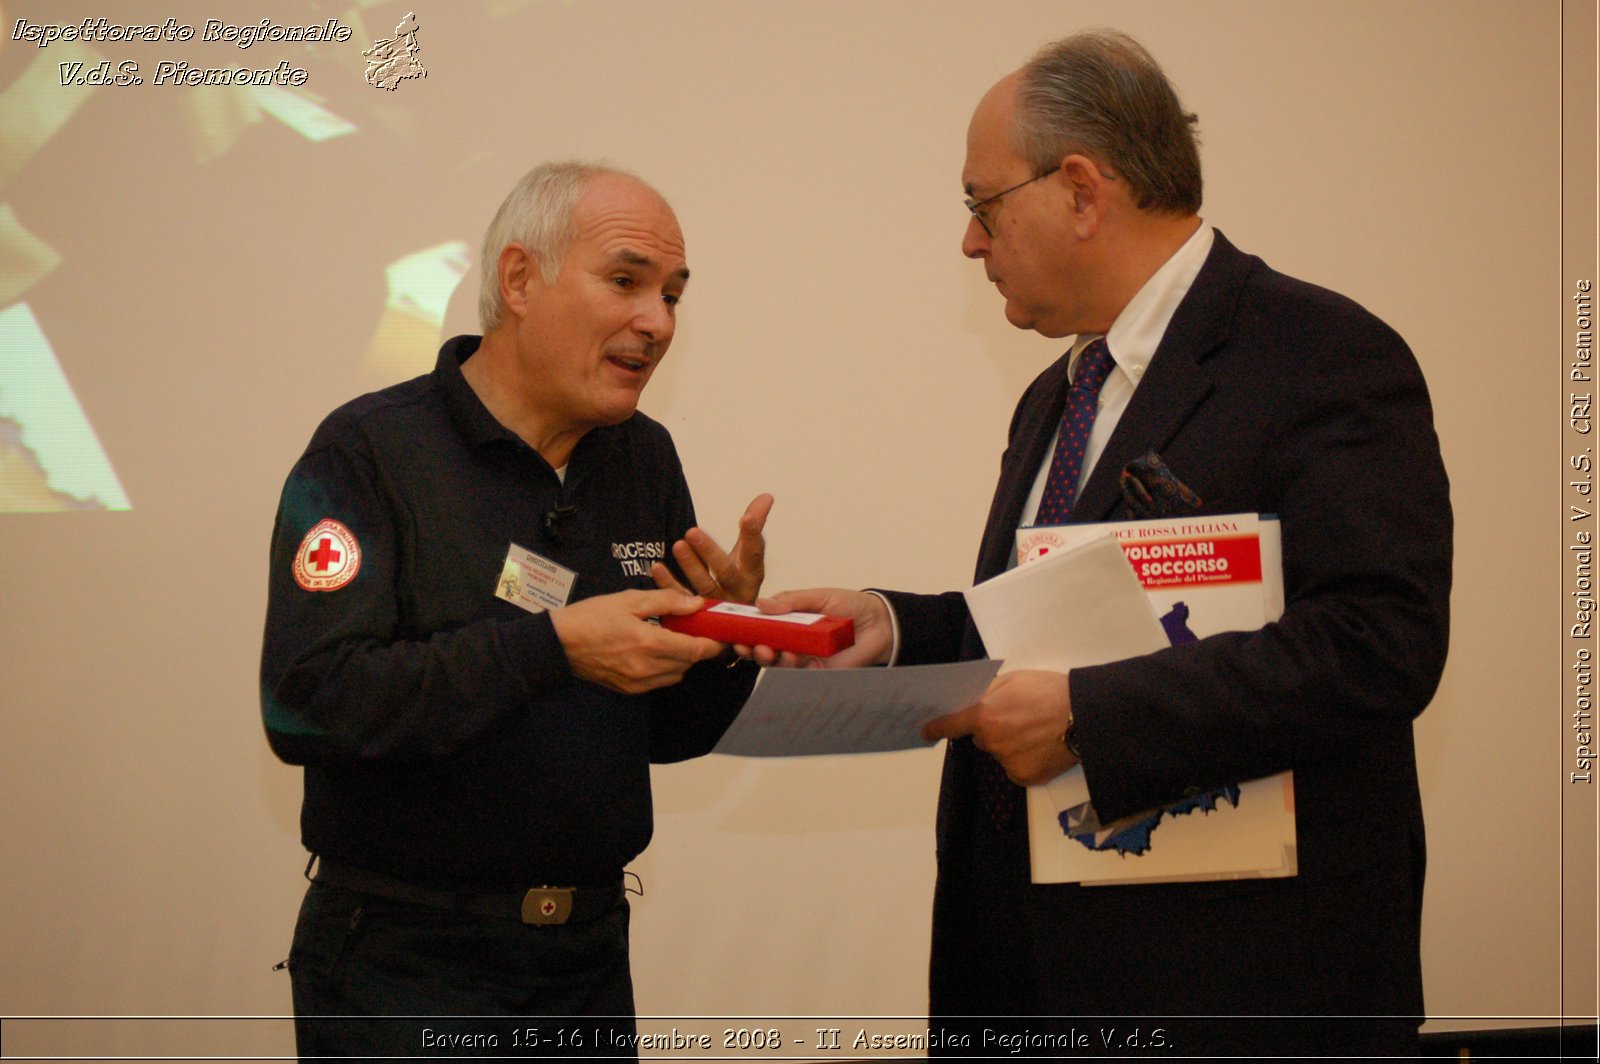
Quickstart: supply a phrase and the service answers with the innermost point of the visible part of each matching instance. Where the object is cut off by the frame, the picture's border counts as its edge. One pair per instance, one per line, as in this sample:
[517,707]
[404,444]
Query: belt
[537,905]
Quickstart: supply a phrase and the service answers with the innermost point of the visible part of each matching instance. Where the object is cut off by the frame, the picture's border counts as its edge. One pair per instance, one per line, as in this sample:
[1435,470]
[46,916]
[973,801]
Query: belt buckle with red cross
[547,905]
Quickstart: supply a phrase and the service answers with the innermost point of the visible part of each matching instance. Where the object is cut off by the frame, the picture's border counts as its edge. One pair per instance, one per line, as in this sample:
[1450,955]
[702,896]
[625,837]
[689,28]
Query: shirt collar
[1137,332]
[478,427]
[471,418]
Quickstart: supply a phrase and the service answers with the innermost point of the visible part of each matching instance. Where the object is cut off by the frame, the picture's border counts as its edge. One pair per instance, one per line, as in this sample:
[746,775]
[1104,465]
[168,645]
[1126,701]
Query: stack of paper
[1091,594]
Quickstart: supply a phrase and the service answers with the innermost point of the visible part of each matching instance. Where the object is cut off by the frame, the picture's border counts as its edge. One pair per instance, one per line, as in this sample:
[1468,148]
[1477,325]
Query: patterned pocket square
[1152,490]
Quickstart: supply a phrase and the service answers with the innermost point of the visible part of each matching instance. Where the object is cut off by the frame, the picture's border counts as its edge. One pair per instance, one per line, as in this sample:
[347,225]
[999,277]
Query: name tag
[533,581]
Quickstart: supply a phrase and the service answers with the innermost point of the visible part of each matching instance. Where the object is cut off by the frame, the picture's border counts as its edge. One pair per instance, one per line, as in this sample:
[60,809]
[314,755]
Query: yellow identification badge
[533,581]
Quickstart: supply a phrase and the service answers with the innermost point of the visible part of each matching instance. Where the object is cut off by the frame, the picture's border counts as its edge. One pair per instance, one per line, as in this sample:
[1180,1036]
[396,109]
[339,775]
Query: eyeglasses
[976,207]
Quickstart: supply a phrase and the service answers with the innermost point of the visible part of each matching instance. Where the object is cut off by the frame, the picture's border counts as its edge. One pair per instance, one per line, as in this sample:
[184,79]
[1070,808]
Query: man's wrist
[1068,739]
[894,626]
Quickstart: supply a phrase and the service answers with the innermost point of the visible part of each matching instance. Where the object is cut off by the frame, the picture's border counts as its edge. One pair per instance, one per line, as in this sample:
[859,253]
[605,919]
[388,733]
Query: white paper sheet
[801,712]
[1076,607]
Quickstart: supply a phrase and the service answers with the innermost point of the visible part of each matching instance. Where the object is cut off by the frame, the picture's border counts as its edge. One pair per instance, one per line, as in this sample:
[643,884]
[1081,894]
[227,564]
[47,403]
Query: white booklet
[1062,608]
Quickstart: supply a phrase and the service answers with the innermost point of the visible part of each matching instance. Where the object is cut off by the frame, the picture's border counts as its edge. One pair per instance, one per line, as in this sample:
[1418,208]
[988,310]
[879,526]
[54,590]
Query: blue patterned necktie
[998,794]
[1083,400]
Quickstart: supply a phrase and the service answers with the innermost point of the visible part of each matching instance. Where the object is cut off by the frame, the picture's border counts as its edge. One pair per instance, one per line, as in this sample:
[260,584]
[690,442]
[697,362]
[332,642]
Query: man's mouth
[630,362]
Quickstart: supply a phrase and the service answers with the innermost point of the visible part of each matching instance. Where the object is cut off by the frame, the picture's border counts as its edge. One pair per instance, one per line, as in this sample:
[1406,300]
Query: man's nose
[975,242]
[655,320]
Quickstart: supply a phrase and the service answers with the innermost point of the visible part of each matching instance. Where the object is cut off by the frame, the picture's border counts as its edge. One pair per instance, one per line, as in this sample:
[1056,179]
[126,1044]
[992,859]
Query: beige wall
[216,292]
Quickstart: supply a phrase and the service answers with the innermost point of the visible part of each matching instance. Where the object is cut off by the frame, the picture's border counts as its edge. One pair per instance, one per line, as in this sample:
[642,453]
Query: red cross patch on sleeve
[328,558]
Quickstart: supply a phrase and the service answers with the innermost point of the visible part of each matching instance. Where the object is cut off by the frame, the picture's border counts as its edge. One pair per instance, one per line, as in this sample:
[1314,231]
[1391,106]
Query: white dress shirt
[1133,340]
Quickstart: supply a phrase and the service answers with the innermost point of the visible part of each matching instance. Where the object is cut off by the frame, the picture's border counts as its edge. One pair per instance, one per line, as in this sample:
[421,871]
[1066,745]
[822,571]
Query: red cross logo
[324,555]
[329,557]
[547,907]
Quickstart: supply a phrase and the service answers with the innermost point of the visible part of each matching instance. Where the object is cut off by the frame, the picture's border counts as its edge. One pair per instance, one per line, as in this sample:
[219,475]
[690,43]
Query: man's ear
[1087,192]
[518,271]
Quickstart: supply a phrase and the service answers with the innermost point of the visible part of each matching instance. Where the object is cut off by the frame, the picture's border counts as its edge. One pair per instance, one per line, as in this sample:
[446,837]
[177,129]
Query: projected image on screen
[128,213]
[49,456]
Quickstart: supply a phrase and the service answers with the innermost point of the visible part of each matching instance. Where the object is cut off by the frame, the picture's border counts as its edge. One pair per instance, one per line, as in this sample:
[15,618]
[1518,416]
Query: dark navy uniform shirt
[443,735]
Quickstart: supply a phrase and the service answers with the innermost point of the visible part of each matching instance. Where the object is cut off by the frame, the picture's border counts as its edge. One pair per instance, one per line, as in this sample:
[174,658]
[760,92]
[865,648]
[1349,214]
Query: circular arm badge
[328,558]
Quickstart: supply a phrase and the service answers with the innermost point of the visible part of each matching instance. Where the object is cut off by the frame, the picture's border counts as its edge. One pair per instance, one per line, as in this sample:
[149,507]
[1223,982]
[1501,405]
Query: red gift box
[799,633]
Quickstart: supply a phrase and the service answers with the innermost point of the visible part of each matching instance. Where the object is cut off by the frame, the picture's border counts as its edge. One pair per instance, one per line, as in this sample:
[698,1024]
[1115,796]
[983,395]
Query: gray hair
[537,214]
[1100,93]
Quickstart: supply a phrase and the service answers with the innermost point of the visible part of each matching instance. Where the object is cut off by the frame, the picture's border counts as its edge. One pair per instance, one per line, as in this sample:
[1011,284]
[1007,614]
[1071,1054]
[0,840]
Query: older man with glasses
[1261,394]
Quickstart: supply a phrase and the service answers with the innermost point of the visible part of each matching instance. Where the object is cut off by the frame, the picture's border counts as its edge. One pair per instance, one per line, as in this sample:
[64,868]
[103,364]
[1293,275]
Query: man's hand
[733,576]
[609,642]
[874,630]
[1019,721]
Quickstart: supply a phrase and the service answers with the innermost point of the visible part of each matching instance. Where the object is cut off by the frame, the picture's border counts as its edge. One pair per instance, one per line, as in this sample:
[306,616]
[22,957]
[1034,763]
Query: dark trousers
[377,978]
